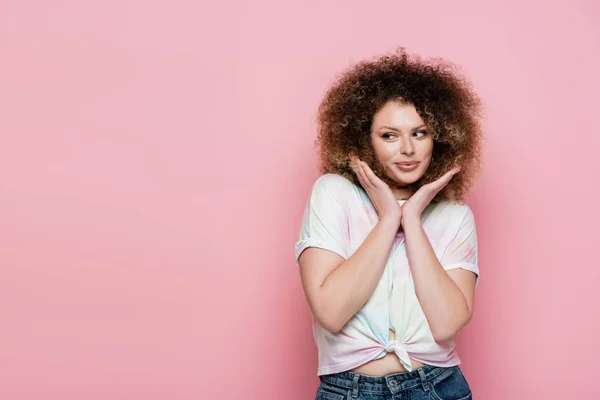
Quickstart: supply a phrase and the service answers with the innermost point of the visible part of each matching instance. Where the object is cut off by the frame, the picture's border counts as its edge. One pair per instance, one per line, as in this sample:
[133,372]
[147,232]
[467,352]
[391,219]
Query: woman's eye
[420,133]
[388,136]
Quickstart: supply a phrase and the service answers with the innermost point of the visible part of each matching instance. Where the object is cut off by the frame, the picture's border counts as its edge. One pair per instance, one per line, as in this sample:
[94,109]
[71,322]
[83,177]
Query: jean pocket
[451,385]
[325,392]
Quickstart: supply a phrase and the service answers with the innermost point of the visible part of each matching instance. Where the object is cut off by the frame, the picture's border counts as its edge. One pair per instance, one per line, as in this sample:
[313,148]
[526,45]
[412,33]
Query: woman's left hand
[414,206]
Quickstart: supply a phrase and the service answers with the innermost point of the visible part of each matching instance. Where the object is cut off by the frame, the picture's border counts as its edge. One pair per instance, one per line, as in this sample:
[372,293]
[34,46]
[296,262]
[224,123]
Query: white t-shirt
[338,217]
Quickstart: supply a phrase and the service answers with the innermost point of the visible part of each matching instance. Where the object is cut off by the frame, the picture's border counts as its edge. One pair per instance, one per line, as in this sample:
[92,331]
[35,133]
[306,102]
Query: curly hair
[443,98]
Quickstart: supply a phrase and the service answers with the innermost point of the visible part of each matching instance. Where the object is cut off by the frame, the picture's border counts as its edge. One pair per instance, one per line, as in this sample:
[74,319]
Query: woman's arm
[336,289]
[446,297]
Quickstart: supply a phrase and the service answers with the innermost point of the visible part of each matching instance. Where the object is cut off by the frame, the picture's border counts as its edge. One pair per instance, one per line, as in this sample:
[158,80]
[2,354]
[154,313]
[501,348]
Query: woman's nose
[406,147]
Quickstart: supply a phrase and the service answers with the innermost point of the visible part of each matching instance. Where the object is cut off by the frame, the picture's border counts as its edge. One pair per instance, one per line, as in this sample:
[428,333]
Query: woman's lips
[407,166]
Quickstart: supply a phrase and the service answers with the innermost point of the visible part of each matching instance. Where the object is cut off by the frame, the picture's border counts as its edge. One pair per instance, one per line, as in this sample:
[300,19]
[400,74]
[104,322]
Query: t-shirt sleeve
[324,221]
[462,250]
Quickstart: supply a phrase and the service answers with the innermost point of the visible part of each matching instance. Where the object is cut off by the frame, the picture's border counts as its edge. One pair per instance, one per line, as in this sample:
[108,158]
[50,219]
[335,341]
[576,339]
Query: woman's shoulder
[453,209]
[334,183]
[335,187]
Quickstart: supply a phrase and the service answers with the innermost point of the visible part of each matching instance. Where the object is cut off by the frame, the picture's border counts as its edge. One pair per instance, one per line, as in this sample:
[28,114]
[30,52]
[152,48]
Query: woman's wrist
[409,221]
[391,220]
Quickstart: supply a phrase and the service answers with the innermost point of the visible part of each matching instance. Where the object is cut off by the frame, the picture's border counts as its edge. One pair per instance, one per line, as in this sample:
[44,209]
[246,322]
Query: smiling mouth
[407,166]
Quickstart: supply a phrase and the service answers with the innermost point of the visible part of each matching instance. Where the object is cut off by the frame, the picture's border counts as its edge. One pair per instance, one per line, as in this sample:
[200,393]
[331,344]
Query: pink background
[156,156]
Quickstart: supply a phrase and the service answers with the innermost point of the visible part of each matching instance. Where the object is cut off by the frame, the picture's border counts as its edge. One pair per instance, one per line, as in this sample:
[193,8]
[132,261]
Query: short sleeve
[324,221]
[462,250]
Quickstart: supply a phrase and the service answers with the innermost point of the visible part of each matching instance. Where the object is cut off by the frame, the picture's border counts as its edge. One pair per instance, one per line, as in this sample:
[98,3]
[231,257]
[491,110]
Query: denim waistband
[392,383]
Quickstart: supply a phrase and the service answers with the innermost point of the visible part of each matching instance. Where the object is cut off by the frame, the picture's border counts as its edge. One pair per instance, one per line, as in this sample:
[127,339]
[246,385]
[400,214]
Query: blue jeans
[425,383]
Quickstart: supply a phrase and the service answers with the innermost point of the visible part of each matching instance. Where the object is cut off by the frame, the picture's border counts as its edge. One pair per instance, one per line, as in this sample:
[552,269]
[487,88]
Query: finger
[448,175]
[366,181]
[454,171]
[357,168]
[354,162]
[444,179]
[374,179]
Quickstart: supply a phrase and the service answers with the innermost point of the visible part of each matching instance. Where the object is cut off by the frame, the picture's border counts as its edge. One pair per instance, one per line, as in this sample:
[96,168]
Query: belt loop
[423,379]
[355,386]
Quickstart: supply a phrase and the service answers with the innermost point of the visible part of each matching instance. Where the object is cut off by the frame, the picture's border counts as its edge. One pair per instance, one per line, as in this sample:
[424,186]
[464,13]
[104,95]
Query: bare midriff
[389,364]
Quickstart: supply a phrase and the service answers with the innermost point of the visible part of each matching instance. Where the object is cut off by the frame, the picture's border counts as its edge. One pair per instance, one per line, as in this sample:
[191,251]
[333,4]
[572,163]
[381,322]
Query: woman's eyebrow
[398,130]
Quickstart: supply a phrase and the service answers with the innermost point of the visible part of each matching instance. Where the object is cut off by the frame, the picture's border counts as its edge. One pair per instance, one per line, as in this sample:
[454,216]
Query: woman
[387,249]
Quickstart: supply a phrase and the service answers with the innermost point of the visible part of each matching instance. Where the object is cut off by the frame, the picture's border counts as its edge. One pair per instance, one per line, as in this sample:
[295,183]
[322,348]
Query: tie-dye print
[338,217]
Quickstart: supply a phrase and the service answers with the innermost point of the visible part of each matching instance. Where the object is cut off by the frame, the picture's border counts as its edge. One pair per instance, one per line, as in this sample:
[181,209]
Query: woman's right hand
[379,192]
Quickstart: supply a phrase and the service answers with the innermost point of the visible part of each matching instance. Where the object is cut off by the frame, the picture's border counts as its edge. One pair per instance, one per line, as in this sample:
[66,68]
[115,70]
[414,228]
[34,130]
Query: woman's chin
[406,178]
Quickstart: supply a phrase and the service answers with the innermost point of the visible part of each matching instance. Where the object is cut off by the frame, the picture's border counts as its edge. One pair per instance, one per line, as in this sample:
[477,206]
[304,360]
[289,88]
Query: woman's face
[402,142]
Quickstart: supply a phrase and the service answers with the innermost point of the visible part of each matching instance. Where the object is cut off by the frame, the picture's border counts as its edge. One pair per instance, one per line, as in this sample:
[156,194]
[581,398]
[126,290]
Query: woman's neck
[402,193]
